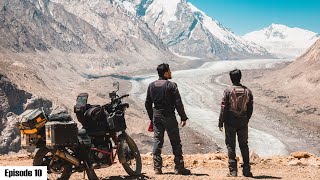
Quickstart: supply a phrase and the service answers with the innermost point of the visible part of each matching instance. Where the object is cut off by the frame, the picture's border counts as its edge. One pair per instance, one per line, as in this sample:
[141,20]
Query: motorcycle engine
[100,156]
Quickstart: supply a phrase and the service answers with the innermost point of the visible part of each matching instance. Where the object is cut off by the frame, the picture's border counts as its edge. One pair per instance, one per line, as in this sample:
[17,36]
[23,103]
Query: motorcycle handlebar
[123,96]
[106,105]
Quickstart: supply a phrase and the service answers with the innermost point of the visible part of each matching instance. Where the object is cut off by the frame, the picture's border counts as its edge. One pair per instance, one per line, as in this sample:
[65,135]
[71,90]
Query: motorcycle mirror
[112,95]
[116,85]
[82,99]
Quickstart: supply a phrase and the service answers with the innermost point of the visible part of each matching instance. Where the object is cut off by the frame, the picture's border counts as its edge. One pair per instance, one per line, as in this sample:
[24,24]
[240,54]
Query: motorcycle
[65,150]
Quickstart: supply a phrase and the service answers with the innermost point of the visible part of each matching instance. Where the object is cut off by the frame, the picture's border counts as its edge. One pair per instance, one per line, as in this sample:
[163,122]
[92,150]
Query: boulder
[300,155]
[254,158]
[220,156]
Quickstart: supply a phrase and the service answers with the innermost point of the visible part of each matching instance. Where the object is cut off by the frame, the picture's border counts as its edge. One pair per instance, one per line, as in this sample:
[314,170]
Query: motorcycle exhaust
[68,157]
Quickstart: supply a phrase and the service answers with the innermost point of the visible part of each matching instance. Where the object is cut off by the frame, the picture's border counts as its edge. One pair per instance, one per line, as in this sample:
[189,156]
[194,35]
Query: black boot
[233,169]
[232,174]
[247,174]
[157,171]
[182,171]
[179,166]
[246,170]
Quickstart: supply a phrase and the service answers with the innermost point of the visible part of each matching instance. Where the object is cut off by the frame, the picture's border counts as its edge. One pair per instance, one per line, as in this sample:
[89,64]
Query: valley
[202,95]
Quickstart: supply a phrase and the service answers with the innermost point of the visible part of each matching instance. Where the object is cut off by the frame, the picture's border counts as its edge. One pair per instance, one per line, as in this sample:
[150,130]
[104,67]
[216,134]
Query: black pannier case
[61,134]
[117,121]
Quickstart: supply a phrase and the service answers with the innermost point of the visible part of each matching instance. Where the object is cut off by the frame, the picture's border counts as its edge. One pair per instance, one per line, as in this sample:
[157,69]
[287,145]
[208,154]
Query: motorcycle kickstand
[85,172]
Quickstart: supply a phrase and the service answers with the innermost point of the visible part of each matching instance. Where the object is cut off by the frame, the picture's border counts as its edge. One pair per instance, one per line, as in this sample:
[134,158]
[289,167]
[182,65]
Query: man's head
[164,71]
[235,76]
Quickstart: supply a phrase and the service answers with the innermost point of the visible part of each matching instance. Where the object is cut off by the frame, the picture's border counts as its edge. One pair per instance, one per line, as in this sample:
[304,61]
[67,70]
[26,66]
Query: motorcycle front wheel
[130,151]
[58,169]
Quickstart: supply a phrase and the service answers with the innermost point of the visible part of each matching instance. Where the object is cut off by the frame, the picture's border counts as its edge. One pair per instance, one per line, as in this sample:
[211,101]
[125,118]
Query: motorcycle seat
[97,133]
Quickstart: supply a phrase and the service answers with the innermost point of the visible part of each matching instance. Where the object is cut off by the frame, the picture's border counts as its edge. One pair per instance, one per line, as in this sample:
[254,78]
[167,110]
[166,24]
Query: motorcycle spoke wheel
[59,170]
[132,164]
[130,157]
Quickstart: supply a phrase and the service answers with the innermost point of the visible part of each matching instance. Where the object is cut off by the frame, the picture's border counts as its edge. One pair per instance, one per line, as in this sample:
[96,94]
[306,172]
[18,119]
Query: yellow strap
[40,124]
[39,119]
[27,131]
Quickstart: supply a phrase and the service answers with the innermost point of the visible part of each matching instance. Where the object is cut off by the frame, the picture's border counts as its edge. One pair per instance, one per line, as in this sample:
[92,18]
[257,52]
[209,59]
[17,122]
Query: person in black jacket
[236,110]
[166,98]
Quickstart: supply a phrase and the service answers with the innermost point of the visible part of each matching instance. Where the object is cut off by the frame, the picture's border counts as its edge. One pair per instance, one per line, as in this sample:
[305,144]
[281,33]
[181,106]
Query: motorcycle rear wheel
[43,158]
[133,164]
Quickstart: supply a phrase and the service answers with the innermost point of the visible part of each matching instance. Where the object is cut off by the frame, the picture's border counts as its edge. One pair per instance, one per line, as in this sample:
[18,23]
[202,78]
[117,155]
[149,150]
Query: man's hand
[221,128]
[183,123]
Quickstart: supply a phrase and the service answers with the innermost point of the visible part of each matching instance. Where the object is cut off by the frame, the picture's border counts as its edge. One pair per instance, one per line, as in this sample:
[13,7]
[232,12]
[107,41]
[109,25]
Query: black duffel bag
[62,116]
[95,120]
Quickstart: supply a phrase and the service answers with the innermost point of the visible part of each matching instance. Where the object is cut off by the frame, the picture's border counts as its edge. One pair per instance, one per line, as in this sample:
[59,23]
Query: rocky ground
[299,165]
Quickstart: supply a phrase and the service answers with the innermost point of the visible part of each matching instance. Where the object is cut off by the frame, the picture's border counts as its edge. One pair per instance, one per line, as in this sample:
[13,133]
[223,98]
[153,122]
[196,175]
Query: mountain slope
[83,27]
[63,42]
[56,49]
[190,32]
[299,86]
[282,40]
[305,71]
[50,48]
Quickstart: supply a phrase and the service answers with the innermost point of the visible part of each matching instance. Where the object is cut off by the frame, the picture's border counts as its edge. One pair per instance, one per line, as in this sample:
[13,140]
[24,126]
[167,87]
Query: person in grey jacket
[236,110]
[165,97]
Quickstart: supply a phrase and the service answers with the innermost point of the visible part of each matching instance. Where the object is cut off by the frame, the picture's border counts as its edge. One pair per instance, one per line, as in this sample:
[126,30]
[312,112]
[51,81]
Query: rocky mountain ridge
[298,83]
[79,27]
[13,102]
[49,48]
[190,32]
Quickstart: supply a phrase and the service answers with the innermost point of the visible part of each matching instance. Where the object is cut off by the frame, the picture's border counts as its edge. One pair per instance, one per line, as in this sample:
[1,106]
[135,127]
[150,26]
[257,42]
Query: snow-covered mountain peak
[200,14]
[189,31]
[278,26]
[282,40]
[212,25]
[195,9]
[166,8]
[279,32]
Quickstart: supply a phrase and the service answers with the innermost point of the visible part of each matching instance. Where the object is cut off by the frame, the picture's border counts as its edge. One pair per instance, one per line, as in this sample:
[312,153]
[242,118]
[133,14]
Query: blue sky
[243,16]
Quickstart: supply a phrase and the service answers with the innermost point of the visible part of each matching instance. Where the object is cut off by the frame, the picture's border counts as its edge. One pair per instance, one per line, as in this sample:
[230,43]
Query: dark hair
[162,68]
[235,76]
